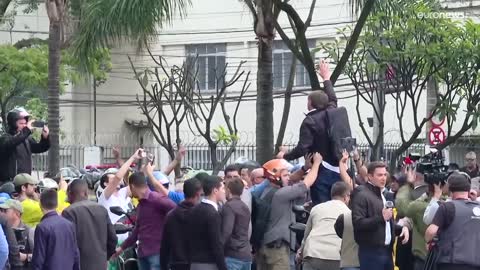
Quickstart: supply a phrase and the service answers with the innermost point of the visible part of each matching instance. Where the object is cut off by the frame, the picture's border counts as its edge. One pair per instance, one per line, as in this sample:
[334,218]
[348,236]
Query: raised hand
[324,70]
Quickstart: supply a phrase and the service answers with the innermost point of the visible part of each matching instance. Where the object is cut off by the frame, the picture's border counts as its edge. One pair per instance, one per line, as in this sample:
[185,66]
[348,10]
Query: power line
[193,32]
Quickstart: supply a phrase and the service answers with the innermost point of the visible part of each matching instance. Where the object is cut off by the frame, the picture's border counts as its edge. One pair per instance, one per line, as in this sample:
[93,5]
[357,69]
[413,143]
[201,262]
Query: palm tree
[102,23]
[105,23]
[55,11]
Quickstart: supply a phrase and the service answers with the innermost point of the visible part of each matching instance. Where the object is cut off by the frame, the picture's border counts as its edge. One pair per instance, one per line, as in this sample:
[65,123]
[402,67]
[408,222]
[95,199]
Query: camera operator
[415,212]
[17,146]
[457,225]
[12,211]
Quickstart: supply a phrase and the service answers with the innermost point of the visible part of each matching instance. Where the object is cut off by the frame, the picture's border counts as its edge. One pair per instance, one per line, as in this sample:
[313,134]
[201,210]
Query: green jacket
[415,211]
[403,199]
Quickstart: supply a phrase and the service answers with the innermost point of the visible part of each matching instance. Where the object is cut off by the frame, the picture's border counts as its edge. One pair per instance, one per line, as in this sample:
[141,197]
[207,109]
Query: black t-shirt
[444,215]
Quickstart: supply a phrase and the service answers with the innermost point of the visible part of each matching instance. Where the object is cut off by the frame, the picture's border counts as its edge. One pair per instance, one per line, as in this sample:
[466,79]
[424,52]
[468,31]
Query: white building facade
[219,31]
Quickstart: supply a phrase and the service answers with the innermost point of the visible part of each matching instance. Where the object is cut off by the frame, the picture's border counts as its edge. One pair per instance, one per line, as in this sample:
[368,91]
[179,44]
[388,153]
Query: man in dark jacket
[205,246]
[314,138]
[174,250]
[373,223]
[55,241]
[96,237]
[16,145]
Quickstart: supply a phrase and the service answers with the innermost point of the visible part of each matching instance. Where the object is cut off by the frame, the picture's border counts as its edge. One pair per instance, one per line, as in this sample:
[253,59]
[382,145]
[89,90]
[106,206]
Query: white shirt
[120,199]
[212,203]
[388,230]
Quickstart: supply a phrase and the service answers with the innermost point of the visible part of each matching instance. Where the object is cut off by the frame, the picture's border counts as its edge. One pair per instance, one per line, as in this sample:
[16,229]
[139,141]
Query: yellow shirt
[62,201]
[135,202]
[32,213]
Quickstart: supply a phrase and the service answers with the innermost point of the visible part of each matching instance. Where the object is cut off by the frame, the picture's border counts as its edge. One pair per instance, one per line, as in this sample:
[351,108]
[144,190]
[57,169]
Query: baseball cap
[458,183]
[24,178]
[161,177]
[48,183]
[11,204]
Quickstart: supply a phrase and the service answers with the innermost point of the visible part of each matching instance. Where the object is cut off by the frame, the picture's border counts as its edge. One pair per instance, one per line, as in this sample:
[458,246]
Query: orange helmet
[273,168]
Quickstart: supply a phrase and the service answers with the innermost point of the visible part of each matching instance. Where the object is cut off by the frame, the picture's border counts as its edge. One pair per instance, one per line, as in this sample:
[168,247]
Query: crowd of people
[358,218]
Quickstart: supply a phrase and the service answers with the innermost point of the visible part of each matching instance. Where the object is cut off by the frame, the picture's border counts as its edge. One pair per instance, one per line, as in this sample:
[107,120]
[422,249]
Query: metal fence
[198,155]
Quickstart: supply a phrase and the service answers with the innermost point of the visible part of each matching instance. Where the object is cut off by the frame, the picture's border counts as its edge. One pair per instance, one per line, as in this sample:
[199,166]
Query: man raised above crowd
[314,137]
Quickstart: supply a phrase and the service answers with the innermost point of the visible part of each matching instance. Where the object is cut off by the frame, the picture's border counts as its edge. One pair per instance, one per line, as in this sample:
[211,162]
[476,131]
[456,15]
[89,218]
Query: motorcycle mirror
[298,227]
[117,210]
[298,209]
[121,228]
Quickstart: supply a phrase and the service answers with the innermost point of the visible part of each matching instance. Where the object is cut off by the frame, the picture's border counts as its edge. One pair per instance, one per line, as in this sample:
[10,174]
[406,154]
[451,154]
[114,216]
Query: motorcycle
[301,218]
[128,259]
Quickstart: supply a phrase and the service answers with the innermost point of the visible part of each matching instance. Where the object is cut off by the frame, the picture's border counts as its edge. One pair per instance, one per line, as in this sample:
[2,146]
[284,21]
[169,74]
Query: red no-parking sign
[436,135]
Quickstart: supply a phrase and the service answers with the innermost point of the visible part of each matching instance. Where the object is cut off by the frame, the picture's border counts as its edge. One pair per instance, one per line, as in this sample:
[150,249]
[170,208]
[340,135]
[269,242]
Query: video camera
[433,168]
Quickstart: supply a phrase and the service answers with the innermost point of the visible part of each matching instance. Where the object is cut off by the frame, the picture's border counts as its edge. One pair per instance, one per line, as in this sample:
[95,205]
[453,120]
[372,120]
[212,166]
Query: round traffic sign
[436,121]
[436,135]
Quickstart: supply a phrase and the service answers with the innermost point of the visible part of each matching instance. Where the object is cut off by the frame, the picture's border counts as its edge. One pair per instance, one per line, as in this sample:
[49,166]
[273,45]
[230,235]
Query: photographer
[415,212]
[440,194]
[12,211]
[17,146]
[457,225]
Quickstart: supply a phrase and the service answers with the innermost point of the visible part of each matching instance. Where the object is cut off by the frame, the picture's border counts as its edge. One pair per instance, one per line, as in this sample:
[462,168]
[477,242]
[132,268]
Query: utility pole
[94,111]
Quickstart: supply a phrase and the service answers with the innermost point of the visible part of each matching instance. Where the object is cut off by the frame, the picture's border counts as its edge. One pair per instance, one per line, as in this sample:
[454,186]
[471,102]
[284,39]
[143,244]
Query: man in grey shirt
[235,228]
[274,253]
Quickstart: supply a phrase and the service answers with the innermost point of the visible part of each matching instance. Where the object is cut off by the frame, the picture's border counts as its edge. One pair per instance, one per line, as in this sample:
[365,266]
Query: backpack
[261,208]
[338,128]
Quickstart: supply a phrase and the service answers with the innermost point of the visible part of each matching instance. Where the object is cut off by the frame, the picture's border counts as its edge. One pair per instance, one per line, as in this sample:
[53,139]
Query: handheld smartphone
[151,158]
[348,144]
[38,124]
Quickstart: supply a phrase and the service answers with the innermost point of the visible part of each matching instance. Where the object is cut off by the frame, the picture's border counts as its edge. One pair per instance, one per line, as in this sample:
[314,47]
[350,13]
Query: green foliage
[106,23]
[223,136]
[37,108]
[410,38]
[99,65]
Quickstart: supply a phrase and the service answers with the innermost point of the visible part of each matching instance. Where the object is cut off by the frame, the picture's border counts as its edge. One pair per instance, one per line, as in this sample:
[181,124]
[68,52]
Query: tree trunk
[264,122]
[214,159]
[3,8]
[286,105]
[54,47]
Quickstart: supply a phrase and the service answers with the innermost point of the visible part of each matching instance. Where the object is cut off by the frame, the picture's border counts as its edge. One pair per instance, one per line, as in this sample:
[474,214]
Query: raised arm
[313,173]
[304,143]
[9,142]
[43,145]
[178,159]
[324,72]
[113,184]
[117,156]
[157,186]
[343,166]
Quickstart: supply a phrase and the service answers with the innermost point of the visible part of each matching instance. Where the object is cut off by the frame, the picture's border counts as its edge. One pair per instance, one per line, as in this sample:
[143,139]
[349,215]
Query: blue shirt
[176,196]
[55,244]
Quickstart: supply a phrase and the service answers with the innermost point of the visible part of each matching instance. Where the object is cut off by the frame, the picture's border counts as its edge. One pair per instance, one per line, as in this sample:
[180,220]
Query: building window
[209,66]
[282,61]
